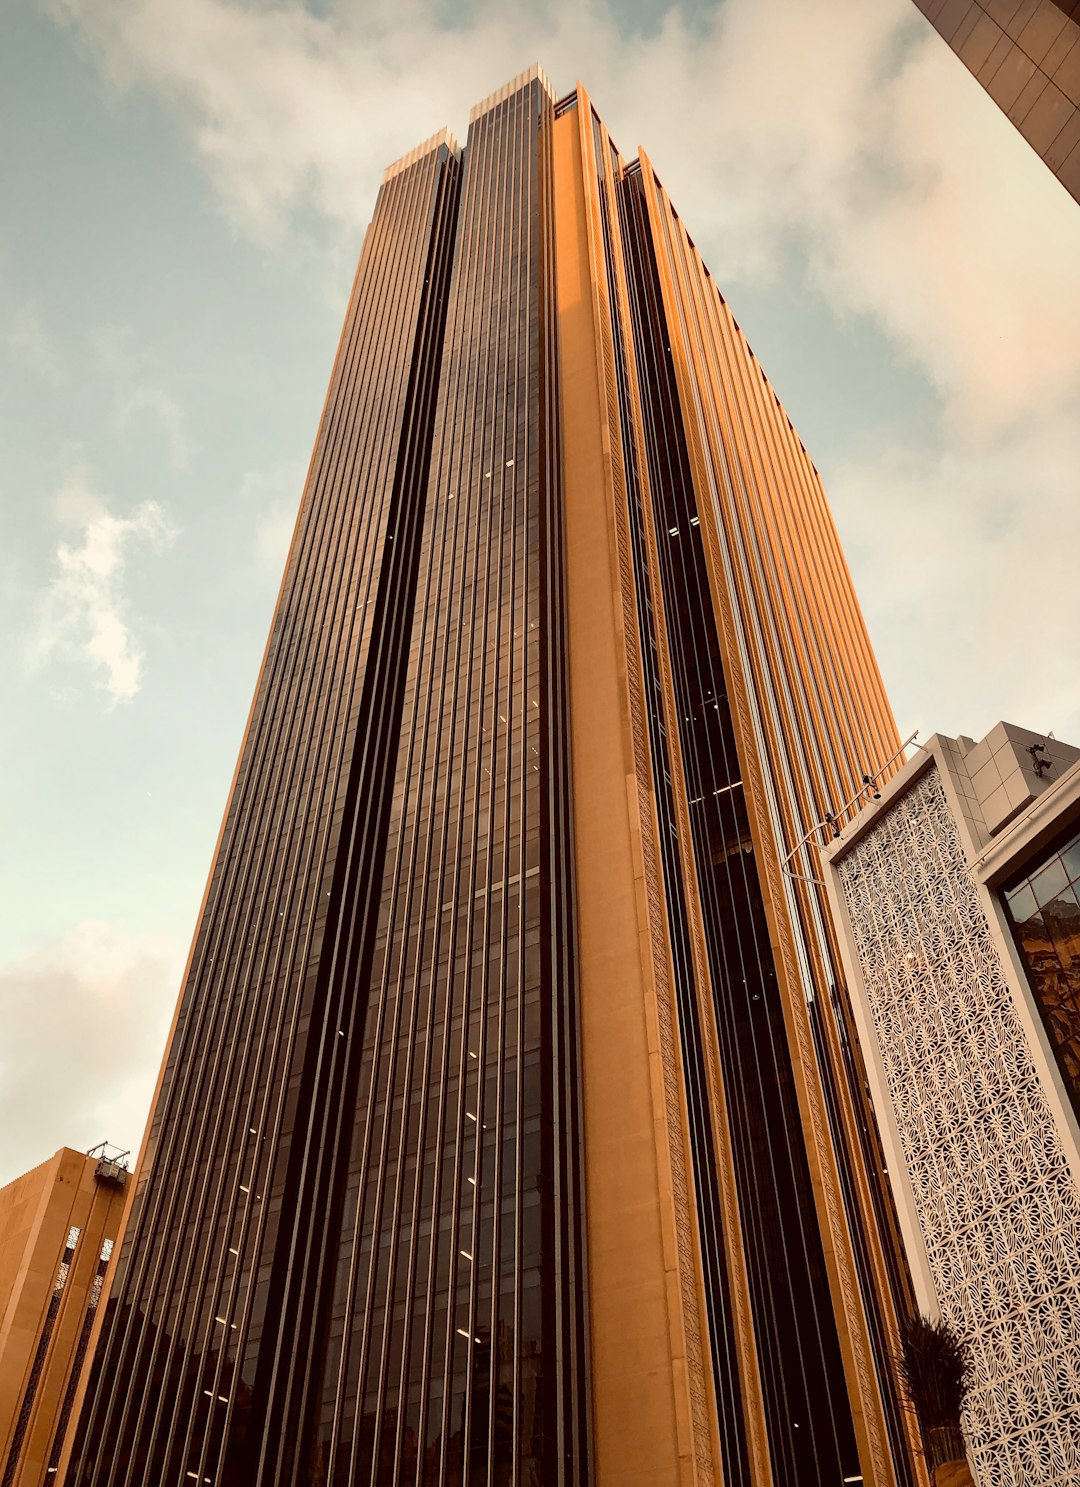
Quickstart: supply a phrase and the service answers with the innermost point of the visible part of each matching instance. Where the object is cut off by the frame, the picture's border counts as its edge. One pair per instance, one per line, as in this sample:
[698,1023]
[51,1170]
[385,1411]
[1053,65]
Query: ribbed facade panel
[803,1396]
[238,1155]
[809,718]
[451,1359]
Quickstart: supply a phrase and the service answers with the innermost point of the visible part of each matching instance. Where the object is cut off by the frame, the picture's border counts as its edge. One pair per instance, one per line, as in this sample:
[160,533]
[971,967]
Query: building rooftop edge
[1047,812]
[50,1161]
[513,86]
[1001,847]
[872,811]
[443,137]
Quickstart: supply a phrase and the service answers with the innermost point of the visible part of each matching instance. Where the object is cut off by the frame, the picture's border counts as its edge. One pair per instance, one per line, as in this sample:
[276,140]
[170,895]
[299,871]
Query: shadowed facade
[1026,54]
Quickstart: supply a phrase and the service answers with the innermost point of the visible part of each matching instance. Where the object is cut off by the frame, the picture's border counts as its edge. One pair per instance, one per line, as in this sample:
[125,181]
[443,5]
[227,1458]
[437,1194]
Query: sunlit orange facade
[58,1225]
[513,1122]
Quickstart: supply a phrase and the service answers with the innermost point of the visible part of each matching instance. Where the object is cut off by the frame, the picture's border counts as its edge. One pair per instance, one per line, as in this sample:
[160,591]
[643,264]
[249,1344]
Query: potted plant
[935,1372]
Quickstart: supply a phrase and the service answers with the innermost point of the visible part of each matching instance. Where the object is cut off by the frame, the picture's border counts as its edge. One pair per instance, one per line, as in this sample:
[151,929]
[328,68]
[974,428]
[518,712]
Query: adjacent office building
[512,1128]
[58,1225]
[957,897]
[1026,54]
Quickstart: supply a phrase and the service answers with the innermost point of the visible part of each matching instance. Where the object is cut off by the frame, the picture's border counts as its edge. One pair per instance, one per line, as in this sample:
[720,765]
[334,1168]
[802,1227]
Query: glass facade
[453,1325]
[354,1254]
[359,1251]
[216,1319]
[708,461]
[807,1414]
[1044,910]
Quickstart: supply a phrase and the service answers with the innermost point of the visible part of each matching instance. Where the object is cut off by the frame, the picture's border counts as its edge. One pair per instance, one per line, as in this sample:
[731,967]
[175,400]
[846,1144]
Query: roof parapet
[444,137]
[514,86]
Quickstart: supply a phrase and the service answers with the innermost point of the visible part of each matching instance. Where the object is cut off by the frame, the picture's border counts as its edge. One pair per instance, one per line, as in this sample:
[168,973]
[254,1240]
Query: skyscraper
[512,1127]
[1026,54]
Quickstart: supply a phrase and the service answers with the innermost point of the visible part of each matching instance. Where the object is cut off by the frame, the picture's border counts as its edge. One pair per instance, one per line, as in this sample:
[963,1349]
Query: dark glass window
[1043,908]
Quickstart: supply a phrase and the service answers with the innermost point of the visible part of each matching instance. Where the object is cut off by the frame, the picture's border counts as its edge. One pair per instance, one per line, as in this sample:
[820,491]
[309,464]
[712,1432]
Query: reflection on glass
[1048,938]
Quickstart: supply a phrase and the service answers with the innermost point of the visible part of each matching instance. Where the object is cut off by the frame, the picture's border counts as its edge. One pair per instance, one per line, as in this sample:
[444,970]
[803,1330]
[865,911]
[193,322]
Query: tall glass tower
[512,1129]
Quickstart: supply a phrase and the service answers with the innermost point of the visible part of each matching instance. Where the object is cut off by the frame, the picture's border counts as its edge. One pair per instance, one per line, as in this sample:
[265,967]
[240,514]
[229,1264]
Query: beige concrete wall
[954,1045]
[37,1212]
[1026,54]
[1003,775]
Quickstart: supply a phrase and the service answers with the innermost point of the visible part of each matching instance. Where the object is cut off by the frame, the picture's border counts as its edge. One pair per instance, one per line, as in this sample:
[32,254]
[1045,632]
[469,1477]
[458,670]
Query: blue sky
[186,184]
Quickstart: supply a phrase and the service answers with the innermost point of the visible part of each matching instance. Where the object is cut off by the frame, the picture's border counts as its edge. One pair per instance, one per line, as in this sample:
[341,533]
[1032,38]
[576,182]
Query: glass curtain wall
[808,1417]
[217,1314]
[455,1336]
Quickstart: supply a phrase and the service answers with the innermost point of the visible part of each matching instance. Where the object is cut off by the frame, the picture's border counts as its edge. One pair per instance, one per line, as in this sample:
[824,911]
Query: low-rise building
[956,895]
[58,1225]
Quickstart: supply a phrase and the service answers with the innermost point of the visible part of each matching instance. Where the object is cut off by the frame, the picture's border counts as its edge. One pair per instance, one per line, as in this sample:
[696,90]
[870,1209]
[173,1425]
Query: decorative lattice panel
[999,1208]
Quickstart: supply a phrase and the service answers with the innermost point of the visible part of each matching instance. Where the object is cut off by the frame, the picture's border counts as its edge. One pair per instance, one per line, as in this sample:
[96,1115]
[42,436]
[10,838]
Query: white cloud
[137,396]
[85,616]
[162,406]
[32,346]
[84,1027]
[976,608]
[270,500]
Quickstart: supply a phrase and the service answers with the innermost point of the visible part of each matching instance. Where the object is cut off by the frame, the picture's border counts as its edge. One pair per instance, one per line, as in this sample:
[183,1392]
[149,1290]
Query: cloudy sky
[186,184]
